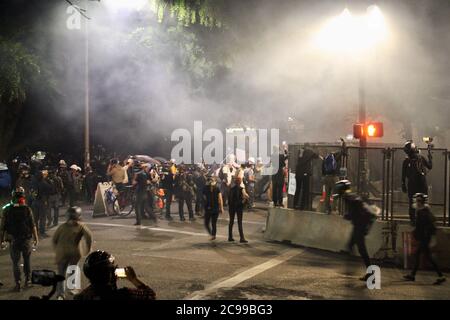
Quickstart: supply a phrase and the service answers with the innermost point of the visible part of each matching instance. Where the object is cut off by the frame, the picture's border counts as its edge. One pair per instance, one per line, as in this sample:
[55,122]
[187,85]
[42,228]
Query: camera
[120,273]
[45,278]
[428,141]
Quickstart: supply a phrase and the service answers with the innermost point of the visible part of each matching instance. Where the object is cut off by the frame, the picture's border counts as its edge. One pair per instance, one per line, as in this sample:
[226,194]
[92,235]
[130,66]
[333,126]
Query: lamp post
[353,36]
[87,155]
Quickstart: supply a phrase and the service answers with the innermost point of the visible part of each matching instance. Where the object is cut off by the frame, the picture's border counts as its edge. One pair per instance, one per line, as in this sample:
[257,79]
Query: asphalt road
[178,261]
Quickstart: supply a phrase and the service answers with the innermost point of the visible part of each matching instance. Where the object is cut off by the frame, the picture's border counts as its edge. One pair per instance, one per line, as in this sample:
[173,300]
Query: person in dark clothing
[56,188]
[186,191]
[41,189]
[236,203]
[64,174]
[358,213]
[200,183]
[18,222]
[100,268]
[303,172]
[278,177]
[414,172]
[140,181]
[423,232]
[168,184]
[212,199]
[90,184]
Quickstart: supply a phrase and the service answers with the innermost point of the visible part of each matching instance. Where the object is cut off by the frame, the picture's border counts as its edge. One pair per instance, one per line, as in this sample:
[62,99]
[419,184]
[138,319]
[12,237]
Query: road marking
[152,228]
[245,275]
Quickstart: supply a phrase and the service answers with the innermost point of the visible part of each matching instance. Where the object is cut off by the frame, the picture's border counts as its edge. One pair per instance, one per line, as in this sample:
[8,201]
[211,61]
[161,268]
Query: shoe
[192,219]
[440,280]
[243,241]
[27,283]
[17,288]
[182,219]
[212,238]
[409,277]
[137,224]
[230,239]
[60,298]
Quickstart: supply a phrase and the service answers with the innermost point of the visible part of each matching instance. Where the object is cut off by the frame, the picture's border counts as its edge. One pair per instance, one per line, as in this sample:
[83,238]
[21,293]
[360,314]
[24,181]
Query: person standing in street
[212,199]
[249,178]
[40,191]
[168,184]
[56,188]
[303,173]
[140,182]
[236,203]
[425,229]
[66,242]
[18,223]
[361,218]
[278,165]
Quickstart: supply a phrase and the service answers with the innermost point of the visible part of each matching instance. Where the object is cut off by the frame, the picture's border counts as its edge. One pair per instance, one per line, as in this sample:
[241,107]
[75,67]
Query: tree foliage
[208,13]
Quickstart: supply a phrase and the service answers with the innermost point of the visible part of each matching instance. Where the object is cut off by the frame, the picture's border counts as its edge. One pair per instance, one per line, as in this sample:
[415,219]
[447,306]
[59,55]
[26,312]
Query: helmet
[17,193]
[99,267]
[74,167]
[409,147]
[341,187]
[421,197]
[251,160]
[62,163]
[74,213]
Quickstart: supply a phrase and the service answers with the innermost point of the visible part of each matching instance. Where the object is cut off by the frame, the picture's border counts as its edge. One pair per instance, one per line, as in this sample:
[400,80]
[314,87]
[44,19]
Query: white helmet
[251,160]
[74,167]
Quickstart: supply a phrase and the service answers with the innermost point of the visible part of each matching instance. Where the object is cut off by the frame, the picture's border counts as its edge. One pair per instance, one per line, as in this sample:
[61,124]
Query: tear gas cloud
[140,92]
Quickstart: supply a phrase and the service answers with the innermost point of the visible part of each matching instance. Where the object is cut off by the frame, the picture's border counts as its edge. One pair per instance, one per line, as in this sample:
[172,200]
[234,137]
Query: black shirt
[211,196]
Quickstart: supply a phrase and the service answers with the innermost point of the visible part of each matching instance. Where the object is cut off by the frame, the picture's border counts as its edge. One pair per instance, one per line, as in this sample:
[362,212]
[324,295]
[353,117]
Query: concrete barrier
[318,230]
[332,233]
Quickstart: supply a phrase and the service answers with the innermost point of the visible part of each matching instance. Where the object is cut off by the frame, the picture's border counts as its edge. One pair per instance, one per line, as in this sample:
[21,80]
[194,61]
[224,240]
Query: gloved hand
[404,190]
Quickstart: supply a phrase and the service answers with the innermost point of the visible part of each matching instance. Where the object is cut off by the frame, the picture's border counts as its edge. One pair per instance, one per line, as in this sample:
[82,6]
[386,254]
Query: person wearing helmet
[414,171]
[424,230]
[66,243]
[360,216]
[100,268]
[18,222]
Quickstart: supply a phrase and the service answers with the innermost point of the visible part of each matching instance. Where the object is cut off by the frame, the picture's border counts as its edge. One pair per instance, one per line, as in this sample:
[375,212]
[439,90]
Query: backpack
[18,222]
[330,164]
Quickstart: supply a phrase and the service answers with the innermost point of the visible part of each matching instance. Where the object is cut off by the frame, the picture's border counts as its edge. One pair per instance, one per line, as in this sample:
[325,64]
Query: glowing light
[352,33]
[371,130]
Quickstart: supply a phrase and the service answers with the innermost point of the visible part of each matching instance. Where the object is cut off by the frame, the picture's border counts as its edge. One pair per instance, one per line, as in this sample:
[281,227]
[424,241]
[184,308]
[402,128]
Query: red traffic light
[371,129]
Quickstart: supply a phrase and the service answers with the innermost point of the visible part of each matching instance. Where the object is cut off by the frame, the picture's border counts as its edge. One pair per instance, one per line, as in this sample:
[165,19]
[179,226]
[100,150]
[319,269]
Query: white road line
[245,275]
[152,228]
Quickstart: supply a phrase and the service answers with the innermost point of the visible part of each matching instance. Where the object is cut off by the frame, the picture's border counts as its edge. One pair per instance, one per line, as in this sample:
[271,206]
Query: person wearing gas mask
[18,223]
[101,270]
[414,171]
[212,199]
[25,181]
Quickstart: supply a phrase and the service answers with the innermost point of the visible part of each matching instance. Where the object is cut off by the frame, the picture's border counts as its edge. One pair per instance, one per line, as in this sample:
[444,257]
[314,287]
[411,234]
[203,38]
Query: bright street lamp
[355,36]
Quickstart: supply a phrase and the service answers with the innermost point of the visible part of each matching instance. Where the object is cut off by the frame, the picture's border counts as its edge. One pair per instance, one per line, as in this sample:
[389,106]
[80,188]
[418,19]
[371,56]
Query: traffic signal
[368,130]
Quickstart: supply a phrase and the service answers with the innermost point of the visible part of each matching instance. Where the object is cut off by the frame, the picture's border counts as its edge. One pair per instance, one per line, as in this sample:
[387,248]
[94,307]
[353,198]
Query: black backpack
[18,222]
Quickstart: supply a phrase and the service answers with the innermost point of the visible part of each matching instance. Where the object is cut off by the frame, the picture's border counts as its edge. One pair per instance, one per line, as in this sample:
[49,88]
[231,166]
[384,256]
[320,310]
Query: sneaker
[60,298]
[212,238]
[182,219]
[17,288]
[243,241]
[231,239]
[192,219]
[440,280]
[409,277]
[27,283]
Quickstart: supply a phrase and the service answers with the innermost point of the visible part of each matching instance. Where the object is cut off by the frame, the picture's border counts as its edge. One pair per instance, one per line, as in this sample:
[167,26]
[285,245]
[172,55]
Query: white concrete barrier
[332,233]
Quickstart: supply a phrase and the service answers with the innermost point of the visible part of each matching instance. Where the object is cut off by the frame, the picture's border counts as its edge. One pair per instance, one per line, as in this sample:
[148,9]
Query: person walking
[66,243]
[236,203]
[425,229]
[18,222]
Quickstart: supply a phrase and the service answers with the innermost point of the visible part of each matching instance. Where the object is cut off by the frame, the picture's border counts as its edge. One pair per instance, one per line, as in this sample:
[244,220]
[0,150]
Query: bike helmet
[421,197]
[409,147]
[99,267]
[74,213]
[341,187]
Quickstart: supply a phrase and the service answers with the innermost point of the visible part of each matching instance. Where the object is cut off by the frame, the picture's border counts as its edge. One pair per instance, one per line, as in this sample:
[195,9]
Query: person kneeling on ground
[100,269]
